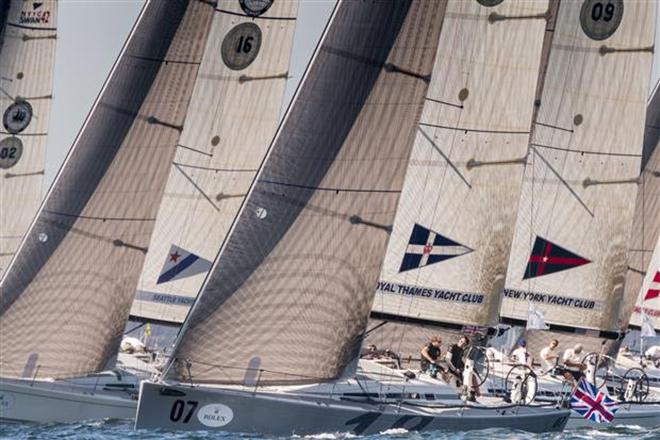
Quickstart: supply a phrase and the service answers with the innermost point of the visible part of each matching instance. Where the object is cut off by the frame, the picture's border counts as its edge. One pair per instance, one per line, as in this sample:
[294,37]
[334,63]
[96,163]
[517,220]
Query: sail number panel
[241,46]
[601,18]
[489,3]
[255,8]
[17,116]
[11,150]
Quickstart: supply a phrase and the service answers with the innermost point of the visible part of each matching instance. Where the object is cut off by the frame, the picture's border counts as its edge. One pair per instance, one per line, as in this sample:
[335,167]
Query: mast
[575,214]
[291,289]
[447,257]
[65,298]
[28,36]
[233,115]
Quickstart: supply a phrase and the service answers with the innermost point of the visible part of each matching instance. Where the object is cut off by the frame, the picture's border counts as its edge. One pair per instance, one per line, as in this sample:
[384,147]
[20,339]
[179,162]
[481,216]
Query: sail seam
[33,28]
[91,217]
[319,188]
[225,11]
[597,153]
[474,130]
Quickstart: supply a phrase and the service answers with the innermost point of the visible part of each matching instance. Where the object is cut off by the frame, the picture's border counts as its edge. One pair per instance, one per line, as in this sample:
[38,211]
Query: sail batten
[65,299]
[298,269]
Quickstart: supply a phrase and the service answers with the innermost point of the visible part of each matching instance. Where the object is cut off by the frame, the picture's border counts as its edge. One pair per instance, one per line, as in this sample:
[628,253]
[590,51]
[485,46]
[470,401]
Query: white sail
[233,116]
[575,213]
[448,253]
[65,298]
[28,35]
[291,289]
[648,299]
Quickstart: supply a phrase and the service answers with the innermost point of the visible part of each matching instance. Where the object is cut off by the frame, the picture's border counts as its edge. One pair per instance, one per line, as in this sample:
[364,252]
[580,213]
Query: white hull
[44,402]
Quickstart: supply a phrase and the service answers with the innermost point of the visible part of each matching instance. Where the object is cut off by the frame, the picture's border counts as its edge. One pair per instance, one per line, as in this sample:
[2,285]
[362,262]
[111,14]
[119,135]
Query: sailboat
[28,35]
[568,259]
[233,116]
[66,295]
[275,332]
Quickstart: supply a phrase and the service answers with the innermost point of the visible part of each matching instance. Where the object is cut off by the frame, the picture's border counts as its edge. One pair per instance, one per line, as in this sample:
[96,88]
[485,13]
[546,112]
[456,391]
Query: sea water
[114,429]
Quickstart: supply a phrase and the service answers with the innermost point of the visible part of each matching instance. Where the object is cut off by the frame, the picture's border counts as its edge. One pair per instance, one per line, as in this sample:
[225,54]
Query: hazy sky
[90,35]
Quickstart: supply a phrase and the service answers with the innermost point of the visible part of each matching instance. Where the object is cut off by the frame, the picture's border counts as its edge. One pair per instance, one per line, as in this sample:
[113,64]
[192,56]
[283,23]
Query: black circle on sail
[255,8]
[601,18]
[241,46]
[489,3]
[17,116]
[11,150]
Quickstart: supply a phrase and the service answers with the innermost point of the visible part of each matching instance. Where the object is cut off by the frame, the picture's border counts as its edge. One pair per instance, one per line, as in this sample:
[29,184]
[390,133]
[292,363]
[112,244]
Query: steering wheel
[634,385]
[521,384]
[595,362]
[480,365]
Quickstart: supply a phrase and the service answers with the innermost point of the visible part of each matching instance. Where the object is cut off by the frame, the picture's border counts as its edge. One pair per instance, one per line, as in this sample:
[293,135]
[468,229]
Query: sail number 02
[8,153]
[183,410]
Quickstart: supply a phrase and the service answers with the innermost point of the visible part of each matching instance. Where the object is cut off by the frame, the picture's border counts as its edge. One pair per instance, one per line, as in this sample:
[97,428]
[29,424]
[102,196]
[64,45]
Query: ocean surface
[124,430]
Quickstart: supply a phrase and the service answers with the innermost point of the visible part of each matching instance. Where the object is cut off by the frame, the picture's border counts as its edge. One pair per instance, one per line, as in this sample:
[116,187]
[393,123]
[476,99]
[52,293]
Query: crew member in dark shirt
[430,354]
[455,356]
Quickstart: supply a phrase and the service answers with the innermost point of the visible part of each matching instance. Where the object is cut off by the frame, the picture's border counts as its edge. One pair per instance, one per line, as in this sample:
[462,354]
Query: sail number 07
[183,410]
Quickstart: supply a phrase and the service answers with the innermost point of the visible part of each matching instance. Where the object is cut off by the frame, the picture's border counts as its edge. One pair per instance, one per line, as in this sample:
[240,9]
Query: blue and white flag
[181,263]
[593,404]
[428,247]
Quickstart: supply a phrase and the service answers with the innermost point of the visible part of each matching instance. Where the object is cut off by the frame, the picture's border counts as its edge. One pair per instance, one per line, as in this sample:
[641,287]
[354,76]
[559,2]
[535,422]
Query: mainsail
[66,296]
[289,294]
[646,224]
[28,35]
[575,213]
[233,116]
[447,258]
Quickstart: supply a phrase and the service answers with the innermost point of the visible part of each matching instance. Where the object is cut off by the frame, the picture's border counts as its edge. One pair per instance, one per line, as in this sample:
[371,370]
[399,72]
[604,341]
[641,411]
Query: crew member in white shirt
[573,364]
[520,355]
[549,356]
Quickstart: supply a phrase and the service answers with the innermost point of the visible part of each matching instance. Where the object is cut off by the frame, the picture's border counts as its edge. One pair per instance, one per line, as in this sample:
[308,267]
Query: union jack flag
[593,404]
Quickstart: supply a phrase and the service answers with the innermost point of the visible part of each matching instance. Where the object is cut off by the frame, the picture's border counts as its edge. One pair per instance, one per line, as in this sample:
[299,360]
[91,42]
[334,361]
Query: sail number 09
[600,11]
[601,18]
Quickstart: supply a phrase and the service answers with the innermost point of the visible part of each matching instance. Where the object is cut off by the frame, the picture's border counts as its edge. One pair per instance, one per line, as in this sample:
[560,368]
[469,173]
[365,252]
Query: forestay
[66,297]
[28,35]
[289,294]
[233,116]
[447,258]
[575,214]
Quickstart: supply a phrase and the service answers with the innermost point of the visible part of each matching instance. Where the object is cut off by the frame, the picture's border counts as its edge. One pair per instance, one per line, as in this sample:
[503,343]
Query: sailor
[574,367]
[455,356]
[653,355]
[430,354]
[520,355]
[549,357]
